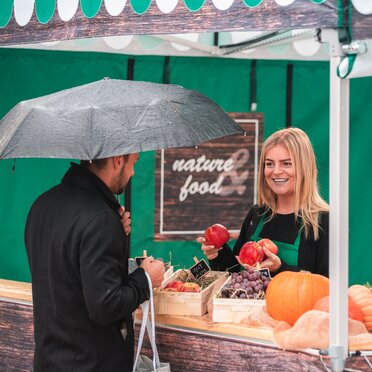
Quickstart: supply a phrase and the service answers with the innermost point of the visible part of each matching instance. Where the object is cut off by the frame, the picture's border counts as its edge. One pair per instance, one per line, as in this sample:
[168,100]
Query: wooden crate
[232,310]
[185,303]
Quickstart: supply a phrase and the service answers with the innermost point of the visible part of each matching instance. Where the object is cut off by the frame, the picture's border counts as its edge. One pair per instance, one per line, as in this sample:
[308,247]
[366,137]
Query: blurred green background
[27,74]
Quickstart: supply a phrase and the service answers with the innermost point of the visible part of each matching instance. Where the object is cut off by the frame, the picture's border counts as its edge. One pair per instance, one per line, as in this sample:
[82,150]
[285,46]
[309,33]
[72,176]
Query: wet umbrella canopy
[111,117]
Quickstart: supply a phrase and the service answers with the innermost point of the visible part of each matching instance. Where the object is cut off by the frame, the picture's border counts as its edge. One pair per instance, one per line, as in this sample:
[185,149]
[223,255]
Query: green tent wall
[29,73]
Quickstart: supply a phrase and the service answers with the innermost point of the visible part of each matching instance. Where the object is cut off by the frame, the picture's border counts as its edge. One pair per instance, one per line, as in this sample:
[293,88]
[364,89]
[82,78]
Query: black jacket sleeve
[322,247]
[110,293]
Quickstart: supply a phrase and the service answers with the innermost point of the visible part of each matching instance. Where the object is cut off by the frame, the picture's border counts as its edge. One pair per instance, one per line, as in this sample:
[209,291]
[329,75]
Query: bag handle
[150,326]
[145,314]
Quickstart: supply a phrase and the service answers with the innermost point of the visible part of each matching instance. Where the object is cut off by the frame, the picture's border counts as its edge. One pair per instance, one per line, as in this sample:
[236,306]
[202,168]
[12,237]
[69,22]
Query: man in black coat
[82,293]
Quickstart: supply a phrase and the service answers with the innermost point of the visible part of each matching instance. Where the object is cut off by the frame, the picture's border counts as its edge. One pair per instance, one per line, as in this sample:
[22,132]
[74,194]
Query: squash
[290,294]
[363,297]
[354,311]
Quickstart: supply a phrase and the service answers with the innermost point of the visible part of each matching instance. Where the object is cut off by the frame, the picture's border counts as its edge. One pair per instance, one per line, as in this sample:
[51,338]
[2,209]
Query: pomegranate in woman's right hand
[217,235]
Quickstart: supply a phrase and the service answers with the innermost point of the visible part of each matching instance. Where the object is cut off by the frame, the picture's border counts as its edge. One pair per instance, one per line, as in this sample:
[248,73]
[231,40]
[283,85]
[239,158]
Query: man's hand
[125,220]
[155,269]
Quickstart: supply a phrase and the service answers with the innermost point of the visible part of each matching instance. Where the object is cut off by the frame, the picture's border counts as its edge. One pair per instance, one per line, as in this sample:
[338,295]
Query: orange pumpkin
[290,294]
[354,311]
[363,297]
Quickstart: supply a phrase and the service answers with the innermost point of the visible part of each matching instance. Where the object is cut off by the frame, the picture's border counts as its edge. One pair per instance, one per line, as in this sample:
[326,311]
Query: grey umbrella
[111,117]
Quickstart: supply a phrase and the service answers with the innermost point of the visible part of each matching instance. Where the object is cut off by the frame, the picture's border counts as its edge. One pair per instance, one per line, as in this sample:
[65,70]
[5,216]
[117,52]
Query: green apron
[286,252]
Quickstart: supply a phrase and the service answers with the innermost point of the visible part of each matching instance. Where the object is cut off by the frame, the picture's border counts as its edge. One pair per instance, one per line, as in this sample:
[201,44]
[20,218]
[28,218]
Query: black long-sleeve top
[313,255]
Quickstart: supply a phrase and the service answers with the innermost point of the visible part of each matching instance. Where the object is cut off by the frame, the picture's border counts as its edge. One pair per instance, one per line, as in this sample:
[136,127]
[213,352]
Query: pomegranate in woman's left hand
[269,244]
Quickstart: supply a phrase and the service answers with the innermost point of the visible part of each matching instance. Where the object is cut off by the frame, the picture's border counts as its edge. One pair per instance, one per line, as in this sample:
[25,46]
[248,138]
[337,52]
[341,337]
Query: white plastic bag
[142,363]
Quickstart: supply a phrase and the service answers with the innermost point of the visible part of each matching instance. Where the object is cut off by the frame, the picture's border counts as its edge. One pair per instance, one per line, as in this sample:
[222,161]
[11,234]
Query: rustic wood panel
[194,351]
[207,353]
[362,26]
[185,214]
[184,349]
[16,336]
[268,16]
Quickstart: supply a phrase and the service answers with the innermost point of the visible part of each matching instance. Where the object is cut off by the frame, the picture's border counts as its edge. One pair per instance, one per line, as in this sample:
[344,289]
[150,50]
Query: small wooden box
[185,303]
[232,310]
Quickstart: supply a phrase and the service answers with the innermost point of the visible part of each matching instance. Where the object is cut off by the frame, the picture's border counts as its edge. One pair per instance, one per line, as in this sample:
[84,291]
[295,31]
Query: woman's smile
[279,171]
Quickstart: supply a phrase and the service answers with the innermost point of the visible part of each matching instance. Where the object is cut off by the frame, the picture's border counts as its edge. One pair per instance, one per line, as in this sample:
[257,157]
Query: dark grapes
[246,284]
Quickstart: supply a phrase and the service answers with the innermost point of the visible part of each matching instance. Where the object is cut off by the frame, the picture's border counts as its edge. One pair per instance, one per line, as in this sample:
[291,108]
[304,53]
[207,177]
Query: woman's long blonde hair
[308,202]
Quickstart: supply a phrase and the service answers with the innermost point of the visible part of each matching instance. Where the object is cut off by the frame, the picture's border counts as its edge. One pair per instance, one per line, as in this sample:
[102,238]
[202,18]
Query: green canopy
[339,22]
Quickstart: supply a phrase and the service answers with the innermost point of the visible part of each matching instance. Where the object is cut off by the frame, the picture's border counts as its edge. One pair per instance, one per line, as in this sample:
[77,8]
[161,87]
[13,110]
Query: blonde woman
[290,210]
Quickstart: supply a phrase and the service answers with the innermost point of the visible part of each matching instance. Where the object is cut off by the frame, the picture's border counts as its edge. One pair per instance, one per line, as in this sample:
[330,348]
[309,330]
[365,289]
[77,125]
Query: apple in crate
[269,244]
[174,286]
[190,287]
[251,253]
[217,235]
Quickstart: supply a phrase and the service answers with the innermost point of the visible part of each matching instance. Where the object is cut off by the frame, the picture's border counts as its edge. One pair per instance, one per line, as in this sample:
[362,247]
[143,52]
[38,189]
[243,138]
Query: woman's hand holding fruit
[246,266]
[210,251]
[271,261]
[215,237]
[262,253]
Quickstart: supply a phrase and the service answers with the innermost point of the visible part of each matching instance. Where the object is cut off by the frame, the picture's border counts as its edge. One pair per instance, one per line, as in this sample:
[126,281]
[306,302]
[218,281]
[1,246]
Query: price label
[139,260]
[132,265]
[265,272]
[199,269]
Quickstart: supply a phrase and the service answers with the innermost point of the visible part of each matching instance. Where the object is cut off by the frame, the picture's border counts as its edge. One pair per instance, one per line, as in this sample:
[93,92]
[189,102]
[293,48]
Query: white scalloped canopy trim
[115,7]
[23,10]
[190,37]
[239,37]
[284,2]
[166,6]
[118,42]
[304,49]
[363,6]
[307,47]
[222,4]
[67,9]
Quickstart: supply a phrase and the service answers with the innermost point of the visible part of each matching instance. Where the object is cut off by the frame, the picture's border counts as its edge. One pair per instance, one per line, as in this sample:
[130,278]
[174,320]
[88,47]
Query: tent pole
[339,216]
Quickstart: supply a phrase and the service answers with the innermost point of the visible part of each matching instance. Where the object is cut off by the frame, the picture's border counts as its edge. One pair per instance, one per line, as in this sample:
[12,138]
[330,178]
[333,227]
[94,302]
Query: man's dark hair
[98,163]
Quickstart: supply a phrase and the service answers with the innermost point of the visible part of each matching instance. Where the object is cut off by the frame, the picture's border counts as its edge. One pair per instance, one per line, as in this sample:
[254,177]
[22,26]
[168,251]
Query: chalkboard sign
[265,272]
[139,260]
[213,183]
[199,269]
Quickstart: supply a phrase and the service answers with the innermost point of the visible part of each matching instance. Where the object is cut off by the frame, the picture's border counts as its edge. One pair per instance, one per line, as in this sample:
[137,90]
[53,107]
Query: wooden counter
[20,291]
[188,343]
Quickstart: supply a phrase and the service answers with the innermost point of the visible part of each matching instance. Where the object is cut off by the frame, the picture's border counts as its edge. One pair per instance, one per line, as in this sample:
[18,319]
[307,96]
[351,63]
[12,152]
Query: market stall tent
[175,26]
[343,25]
